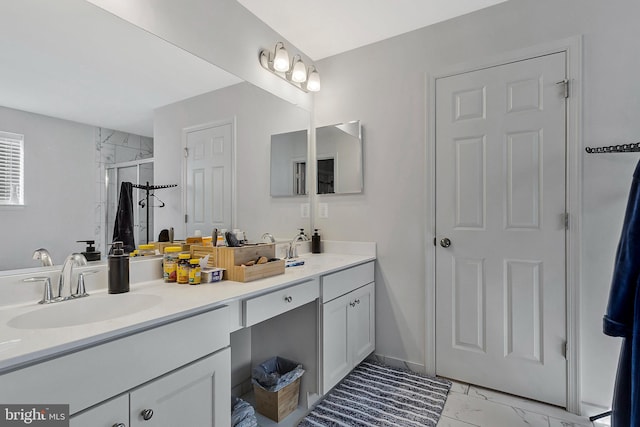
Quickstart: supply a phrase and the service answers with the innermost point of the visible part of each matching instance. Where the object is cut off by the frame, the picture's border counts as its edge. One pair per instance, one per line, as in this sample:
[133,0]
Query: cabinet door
[196,395]
[361,332]
[114,412]
[336,361]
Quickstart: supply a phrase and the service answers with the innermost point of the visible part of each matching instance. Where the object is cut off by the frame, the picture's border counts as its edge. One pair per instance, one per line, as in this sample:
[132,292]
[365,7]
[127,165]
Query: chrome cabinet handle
[288,299]
[445,243]
[147,414]
[352,304]
[357,301]
[119,425]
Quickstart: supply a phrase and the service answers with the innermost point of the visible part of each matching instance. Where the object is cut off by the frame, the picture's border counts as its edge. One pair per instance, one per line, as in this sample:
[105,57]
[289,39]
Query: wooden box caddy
[232,259]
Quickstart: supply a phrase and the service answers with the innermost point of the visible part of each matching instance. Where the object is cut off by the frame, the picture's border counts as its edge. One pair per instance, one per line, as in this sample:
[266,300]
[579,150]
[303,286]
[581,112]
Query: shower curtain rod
[624,148]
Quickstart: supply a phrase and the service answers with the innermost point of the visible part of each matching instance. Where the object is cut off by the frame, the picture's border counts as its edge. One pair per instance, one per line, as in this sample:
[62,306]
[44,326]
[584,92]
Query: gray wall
[59,189]
[385,86]
[258,115]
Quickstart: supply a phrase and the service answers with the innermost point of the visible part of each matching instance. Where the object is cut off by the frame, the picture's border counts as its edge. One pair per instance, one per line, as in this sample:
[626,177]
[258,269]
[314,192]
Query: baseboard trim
[398,363]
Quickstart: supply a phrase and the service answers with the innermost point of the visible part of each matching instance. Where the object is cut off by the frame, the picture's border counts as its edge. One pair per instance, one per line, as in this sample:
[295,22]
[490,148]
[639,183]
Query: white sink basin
[84,310]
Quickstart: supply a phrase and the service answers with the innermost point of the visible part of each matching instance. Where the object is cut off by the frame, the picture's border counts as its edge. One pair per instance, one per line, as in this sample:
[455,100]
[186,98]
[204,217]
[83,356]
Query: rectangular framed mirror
[339,158]
[289,164]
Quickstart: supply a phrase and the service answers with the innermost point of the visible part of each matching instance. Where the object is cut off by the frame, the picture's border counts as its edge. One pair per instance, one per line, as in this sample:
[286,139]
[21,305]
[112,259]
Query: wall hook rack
[624,148]
[145,202]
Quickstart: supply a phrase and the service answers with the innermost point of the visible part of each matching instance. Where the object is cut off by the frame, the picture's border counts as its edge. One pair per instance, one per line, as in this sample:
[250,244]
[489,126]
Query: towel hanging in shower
[622,318]
[123,228]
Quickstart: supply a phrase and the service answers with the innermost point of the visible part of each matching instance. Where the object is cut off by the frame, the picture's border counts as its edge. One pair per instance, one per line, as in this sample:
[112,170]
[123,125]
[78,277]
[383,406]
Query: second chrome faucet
[75,259]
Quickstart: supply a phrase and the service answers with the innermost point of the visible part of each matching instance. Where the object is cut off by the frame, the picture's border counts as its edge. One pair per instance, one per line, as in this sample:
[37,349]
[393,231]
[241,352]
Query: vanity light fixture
[280,58]
[313,82]
[299,70]
[294,71]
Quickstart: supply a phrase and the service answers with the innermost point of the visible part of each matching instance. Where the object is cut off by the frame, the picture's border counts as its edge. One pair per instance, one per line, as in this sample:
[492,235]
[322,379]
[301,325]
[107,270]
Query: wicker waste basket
[276,385]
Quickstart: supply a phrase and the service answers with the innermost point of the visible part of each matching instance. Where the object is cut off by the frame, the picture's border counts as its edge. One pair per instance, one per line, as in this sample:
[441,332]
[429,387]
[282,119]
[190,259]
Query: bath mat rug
[374,394]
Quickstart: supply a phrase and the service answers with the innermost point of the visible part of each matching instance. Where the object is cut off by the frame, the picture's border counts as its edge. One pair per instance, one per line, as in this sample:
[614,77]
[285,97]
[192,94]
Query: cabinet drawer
[345,281]
[270,305]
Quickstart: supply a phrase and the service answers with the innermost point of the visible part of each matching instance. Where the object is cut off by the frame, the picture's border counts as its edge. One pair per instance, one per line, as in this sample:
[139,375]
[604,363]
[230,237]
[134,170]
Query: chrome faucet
[43,255]
[299,238]
[293,247]
[268,236]
[76,259]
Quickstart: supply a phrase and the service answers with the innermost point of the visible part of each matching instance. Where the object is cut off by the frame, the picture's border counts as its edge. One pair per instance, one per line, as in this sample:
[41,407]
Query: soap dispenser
[315,242]
[90,252]
[118,270]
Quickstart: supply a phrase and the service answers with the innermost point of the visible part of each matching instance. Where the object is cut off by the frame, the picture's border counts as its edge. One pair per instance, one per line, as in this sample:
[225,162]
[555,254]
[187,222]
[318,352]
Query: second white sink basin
[84,310]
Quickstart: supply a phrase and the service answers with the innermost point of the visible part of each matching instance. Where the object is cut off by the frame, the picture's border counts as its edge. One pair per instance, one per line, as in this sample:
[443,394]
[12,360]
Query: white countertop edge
[256,288]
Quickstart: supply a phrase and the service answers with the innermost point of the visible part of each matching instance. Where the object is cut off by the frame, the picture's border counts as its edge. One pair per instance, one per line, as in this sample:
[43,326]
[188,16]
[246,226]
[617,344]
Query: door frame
[572,47]
[185,131]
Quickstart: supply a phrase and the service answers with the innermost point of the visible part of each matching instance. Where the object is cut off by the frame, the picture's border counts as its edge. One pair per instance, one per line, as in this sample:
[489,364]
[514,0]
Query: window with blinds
[11,169]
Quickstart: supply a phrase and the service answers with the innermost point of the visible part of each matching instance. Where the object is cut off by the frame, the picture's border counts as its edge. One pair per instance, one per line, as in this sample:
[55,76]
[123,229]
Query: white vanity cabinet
[114,413]
[348,321]
[174,369]
[191,395]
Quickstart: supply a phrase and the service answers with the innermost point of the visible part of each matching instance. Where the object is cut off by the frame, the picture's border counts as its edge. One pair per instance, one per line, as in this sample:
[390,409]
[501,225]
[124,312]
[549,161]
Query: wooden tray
[198,251]
[232,259]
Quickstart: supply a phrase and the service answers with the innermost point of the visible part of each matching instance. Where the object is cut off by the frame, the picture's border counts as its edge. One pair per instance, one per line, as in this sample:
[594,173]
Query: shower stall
[136,172]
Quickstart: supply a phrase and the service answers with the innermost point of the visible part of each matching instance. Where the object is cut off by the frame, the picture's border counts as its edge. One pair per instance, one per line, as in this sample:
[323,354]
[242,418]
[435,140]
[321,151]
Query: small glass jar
[170,263]
[183,269]
[194,272]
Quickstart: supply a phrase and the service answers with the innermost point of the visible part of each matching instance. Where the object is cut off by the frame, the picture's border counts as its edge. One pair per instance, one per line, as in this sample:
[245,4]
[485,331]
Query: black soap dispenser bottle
[118,270]
[90,252]
[315,242]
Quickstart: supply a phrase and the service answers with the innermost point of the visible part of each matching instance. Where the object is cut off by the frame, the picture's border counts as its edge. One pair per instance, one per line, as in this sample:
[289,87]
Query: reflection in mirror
[339,158]
[289,164]
[84,101]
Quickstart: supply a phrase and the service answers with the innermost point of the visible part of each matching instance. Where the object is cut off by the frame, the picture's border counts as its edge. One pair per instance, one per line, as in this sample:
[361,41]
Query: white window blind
[11,169]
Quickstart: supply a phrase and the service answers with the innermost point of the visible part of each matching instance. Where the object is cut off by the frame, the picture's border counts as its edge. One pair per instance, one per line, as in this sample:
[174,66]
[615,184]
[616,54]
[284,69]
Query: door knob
[445,243]
[147,414]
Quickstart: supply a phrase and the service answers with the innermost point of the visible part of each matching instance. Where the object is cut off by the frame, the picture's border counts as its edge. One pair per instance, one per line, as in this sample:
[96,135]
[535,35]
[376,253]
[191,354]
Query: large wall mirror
[289,164]
[339,158]
[65,156]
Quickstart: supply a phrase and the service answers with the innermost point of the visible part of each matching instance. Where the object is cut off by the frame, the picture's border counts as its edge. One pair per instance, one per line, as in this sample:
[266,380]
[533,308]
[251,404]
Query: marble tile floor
[471,406]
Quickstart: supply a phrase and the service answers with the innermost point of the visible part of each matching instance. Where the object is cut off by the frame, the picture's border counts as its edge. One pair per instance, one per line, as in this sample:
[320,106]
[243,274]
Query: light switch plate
[323,210]
[304,210]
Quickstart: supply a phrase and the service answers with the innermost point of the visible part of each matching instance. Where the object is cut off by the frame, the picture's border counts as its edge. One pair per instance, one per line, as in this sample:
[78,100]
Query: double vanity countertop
[25,339]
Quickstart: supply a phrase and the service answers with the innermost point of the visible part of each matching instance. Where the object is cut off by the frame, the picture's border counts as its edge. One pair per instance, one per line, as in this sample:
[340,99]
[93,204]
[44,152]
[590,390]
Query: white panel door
[500,202]
[209,176]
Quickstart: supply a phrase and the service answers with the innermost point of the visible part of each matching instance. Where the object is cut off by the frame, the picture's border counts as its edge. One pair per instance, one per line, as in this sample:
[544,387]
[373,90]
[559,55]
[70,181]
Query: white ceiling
[72,60]
[322,28]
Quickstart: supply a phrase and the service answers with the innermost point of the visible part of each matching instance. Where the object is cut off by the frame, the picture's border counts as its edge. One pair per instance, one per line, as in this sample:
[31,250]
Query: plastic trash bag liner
[276,373]
[242,414]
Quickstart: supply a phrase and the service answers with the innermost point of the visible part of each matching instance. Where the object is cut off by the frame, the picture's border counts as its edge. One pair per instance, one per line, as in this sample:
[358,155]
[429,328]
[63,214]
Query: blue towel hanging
[622,318]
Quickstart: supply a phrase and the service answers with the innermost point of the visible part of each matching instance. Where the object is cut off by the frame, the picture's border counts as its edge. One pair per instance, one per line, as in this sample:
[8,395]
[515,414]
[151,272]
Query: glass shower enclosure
[136,172]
